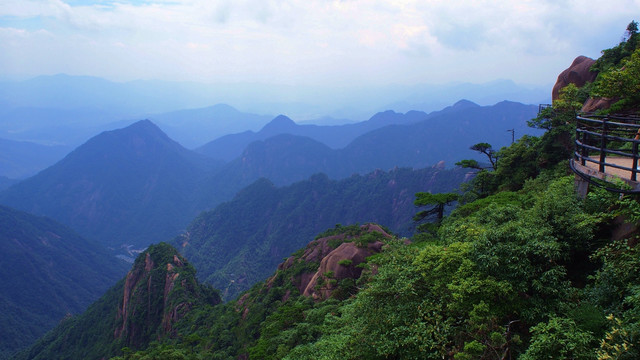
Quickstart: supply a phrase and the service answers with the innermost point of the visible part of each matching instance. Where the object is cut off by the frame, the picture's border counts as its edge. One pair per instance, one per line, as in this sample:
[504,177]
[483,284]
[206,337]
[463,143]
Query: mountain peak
[464,104]
[142,129]
[223,109]
[160,272]
[387,117]
[280,123]
[282,120]
[145,124]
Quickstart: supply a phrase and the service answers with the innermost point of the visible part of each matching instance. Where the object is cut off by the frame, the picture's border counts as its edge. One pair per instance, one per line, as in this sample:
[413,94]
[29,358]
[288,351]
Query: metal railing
[605,142]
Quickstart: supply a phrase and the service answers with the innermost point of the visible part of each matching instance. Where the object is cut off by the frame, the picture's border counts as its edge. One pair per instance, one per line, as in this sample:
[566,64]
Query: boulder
[579,73]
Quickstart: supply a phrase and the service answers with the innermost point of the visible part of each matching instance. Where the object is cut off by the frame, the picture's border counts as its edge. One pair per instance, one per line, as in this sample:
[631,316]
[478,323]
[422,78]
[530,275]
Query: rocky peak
[336,263]
[159,290]
[579,73]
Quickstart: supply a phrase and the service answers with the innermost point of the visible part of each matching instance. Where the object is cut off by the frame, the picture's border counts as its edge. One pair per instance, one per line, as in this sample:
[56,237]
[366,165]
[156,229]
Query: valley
[340,181]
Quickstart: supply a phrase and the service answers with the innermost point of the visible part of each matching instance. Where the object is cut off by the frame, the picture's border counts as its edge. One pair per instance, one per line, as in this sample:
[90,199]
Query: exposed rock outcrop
[159,291]
[579,73]
[593,104]
[335,264]
[339,264]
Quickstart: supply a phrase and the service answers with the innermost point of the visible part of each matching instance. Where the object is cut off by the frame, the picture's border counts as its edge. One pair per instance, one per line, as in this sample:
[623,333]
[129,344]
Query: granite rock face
[579,73]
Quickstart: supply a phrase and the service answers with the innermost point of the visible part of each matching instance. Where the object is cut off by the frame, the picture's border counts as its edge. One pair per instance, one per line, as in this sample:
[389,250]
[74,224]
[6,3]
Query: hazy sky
[311,42]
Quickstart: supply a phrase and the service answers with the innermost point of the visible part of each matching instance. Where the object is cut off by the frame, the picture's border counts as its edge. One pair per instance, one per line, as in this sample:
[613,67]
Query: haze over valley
[312,180]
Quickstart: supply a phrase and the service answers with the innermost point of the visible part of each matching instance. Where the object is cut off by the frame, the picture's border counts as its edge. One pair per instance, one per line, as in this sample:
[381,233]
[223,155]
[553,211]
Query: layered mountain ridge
[137,186]
[237,243]
[132,185]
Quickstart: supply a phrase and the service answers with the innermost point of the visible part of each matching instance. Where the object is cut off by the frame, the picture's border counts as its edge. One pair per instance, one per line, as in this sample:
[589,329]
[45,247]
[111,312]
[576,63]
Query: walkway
[607,149]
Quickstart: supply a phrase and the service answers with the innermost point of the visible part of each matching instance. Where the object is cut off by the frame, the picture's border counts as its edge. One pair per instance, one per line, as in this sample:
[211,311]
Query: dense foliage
[159,290]
[530,274]
[618,74]
[241,241]
[522,269]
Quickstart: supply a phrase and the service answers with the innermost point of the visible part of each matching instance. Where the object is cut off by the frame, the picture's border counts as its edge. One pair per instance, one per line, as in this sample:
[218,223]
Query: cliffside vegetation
[240,242]
[528,274]
[158,291]
[522,269]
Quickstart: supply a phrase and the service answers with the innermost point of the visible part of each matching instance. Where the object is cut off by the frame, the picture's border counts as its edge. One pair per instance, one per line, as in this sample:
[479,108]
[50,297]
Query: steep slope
[229,147]
[48,272]
[159,290]
[132,185]
[236,244]
[160,308]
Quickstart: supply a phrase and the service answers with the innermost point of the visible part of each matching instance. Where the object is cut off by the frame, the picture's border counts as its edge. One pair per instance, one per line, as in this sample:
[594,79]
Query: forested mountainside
[128,186]
[241,241]
[159,290]
[135,186]
[49,272]
[523,268]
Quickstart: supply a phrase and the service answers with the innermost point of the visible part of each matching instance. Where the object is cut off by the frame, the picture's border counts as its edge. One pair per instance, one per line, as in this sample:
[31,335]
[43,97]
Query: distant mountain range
[444,136]
[139,97]
[72,127]
[129,186]
[194,127]
[454,120]
[137,186]
[68,110]
[230,146]
[48,272]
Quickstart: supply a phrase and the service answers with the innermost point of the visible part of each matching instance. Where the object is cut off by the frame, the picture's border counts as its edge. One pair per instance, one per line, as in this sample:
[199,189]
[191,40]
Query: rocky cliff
[579,73]
[159,290]
[327,267]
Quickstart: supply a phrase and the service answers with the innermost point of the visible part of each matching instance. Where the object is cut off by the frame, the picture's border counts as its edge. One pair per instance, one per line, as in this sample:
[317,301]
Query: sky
[308,42]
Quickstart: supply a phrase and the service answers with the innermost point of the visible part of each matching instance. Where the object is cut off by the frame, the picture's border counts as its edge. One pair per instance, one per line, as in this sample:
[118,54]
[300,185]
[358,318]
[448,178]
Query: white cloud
[312,41]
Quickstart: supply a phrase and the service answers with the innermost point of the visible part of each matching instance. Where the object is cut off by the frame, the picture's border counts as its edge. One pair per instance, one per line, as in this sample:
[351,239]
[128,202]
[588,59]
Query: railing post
[603,144]
[634,166]
[584,152]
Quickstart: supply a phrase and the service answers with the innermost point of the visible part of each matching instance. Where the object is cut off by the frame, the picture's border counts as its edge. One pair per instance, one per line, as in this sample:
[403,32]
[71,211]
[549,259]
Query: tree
[622,83]
[438,201]
[485,148]
[470,164]
[632,29]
